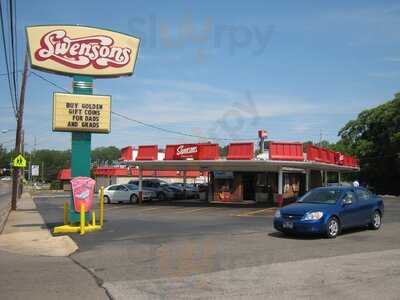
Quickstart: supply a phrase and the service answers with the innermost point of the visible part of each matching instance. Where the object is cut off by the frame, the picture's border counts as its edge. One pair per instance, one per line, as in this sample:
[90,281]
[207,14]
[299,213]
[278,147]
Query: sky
[223,69]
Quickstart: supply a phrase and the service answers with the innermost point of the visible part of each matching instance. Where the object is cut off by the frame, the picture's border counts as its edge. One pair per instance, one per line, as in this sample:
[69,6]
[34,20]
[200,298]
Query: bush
[56,185]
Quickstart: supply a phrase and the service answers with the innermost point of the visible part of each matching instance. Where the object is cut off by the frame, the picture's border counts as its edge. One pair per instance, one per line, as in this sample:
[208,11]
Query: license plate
[287,224]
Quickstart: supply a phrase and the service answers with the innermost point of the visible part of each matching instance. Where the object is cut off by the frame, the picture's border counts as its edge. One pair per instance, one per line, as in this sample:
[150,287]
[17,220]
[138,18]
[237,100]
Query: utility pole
[42,171]
[18,135]
[320,137]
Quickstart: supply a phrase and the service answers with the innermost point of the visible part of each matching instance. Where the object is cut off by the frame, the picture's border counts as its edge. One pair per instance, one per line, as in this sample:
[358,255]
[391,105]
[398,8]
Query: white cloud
[392,59]
[384,74]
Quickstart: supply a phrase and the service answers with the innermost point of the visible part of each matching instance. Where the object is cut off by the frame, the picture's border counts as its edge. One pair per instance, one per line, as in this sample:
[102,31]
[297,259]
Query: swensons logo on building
[182,150]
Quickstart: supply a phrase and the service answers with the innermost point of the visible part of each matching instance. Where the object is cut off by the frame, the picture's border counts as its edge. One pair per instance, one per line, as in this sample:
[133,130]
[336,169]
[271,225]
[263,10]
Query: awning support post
[280,188]
[210,192]
[307,180]
[326,178]
[184,185]
[339,178]
[140,185]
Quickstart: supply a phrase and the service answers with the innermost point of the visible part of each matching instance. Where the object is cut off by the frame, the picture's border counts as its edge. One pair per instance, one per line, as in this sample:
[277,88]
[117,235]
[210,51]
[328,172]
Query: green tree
[374,137]
[52,161]
[101,155]
[223,151]
[5,158]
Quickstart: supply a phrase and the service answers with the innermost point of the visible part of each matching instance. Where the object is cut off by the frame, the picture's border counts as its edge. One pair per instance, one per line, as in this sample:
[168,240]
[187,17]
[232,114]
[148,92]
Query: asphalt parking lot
[156,249]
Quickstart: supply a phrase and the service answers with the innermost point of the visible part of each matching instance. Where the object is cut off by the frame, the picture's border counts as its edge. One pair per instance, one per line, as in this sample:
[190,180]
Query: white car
[117,193]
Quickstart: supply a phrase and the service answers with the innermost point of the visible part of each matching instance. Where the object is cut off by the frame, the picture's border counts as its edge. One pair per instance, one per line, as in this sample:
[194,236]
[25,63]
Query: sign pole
[80,144]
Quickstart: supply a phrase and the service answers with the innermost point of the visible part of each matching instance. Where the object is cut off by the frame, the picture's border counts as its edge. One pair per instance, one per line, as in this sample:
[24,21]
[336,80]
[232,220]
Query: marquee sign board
[81,50]
[83,113]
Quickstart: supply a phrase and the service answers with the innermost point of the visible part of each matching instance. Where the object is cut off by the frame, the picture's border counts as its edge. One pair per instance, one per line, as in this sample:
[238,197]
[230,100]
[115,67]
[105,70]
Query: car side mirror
[347,201]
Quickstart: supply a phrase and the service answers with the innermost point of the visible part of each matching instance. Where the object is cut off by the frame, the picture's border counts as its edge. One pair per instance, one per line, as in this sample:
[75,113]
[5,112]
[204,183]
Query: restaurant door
[249,186]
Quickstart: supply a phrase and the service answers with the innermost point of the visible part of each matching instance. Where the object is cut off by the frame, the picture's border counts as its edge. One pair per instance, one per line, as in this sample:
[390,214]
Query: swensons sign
[82,50]
[84,113]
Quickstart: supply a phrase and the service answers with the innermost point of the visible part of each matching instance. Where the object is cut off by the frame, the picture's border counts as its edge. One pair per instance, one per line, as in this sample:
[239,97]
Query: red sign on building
[192,151]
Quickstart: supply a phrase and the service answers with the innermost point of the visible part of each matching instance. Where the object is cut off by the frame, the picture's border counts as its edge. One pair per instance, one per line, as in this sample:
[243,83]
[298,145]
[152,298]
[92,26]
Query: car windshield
[327,196]
[132,186]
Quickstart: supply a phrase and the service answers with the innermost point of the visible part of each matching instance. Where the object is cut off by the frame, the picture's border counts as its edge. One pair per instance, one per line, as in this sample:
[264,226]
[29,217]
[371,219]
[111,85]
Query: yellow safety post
[82,228]
[93,218]
[66,221]
[82,218]
[101,206]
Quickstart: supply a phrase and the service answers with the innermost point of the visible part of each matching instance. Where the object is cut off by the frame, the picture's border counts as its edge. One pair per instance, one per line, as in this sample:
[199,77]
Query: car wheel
[161,197]
[134,199]
[332,228]
[107,199]
[376,220]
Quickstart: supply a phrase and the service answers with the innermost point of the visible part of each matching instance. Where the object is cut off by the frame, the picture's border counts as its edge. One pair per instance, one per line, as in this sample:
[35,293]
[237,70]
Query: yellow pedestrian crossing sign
[19,162]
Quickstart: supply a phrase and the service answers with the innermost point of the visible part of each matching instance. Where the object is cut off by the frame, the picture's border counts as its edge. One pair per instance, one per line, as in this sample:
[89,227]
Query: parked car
[6,178]
[126,193]
[160,187]
[177,191]
[328,210]
[202,187]
[191,190]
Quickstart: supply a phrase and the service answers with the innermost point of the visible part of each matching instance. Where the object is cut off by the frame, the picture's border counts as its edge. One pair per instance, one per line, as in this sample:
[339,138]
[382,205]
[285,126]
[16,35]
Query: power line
[49,81]
[12,52]
[147,124]
[6,74]
[178,132]
[6,61]
[16,44]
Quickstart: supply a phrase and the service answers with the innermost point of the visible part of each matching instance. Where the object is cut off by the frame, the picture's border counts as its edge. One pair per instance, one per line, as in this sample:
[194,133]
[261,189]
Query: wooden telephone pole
[18,136]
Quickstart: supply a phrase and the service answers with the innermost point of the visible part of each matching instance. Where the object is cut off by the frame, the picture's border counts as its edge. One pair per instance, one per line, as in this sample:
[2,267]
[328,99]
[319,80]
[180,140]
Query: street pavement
[35,265]
[5,191]
[189,250]
[5,198]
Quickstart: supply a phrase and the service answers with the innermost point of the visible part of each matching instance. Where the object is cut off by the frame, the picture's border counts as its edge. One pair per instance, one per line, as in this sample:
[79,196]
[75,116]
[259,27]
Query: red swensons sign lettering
[98,51]
[82,50]
[186,151]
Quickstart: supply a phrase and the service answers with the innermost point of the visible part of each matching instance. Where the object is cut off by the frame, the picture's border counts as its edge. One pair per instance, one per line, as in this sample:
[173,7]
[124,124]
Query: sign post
[85,53]
[80,144]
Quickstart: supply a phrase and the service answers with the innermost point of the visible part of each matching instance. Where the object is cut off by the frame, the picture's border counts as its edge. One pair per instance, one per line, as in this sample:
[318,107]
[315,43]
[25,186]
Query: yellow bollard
[101,206]
[93,218]
[66,220]
[82,218]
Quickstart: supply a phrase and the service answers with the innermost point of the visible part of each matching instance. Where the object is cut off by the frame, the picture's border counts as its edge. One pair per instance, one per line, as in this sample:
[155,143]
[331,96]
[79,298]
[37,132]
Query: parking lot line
[253,212]
[192,210]
[115,207]
[150,209]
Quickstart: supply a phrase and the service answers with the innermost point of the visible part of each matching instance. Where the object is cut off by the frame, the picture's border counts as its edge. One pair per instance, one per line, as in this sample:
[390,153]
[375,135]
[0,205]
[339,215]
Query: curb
[4,213]
[26,233]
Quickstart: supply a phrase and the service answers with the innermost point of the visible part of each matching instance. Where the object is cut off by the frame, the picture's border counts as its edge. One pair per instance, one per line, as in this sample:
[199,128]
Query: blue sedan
[328,210]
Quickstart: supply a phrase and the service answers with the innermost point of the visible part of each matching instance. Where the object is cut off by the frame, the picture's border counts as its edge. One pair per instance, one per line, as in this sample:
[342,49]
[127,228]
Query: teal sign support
[81,145]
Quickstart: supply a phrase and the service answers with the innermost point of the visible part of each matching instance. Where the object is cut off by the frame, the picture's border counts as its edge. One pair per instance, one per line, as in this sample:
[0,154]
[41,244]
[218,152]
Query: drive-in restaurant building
[279,175]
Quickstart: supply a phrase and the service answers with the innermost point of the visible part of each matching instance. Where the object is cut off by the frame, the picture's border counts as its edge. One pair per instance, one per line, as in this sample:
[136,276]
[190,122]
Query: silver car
[117,193]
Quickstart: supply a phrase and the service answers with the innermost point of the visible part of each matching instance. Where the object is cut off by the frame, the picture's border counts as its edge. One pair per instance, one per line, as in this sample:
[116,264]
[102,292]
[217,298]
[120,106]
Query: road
[5,192]
[5,197]
[188,250]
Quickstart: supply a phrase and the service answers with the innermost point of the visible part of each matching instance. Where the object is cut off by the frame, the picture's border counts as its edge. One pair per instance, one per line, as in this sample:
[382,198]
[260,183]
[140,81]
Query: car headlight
[314,215]
[278,213]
